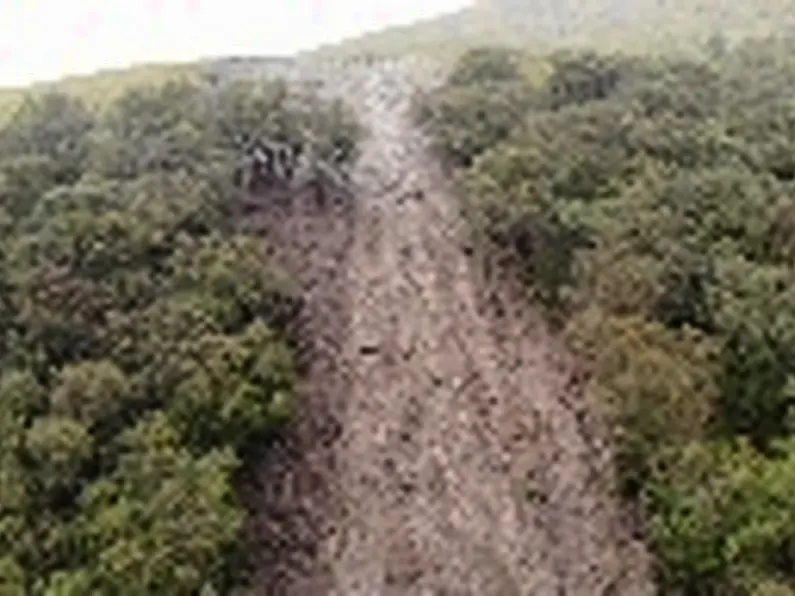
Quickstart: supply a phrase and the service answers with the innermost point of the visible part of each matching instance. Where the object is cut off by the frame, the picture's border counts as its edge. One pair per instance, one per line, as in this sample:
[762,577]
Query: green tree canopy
[144,347]
[649,202]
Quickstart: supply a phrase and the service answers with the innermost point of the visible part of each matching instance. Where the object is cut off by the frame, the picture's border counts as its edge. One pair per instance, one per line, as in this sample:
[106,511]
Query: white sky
[46,39]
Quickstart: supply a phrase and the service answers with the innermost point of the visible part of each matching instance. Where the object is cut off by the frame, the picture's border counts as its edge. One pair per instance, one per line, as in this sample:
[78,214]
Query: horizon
[46,40]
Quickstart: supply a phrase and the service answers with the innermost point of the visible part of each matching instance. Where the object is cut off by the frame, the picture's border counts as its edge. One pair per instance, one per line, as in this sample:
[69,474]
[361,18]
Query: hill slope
[443,36]
[644,25]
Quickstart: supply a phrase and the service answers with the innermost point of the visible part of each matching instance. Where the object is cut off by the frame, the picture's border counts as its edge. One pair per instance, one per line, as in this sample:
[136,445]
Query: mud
[443,445]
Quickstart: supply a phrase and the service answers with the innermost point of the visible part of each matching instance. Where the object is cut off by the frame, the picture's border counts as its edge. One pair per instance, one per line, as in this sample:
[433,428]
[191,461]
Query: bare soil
[443,444]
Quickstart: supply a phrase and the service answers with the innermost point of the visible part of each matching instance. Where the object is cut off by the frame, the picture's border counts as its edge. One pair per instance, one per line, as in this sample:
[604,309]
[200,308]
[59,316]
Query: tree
[647,201]
[164,520]
[144,345]
[53,125]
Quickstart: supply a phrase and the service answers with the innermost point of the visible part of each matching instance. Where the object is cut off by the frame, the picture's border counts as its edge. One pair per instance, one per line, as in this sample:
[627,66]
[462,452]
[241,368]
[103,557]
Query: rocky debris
[425,484]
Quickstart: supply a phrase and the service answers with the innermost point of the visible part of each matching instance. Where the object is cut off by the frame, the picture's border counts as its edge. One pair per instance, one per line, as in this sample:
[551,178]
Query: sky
[48,39]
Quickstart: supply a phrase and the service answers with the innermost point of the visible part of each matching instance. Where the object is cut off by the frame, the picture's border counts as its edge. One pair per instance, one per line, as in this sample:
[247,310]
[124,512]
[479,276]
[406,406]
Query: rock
[369,348]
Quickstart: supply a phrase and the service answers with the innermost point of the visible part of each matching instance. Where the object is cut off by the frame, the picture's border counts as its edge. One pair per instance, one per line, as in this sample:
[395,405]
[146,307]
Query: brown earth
[443,446]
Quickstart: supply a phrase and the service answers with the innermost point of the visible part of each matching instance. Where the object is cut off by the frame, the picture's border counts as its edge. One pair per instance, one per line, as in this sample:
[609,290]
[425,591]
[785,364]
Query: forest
[147,355]
[145,345]
[650,206]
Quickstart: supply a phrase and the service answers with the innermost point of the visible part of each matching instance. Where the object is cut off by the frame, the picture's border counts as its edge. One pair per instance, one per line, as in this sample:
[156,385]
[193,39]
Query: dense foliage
[144,346]
[652,206]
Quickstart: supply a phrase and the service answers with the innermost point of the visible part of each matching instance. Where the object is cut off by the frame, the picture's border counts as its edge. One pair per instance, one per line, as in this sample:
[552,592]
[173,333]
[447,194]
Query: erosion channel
[434,405]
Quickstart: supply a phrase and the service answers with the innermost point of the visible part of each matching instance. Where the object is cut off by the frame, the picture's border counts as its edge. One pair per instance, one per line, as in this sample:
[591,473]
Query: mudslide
[460,459]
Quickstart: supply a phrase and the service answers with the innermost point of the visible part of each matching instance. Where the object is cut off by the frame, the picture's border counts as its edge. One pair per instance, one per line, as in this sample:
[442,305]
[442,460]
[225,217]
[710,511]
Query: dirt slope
[446,404]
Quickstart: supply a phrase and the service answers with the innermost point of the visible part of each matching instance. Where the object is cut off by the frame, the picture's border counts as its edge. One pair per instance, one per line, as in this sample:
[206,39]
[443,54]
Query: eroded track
[444,404]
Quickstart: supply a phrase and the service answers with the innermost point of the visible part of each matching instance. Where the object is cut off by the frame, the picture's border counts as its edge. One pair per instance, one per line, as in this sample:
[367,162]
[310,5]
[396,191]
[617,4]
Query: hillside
[609,25]
[174,425]
[542,342]
[643,24]
[443,37]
